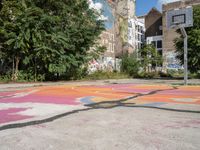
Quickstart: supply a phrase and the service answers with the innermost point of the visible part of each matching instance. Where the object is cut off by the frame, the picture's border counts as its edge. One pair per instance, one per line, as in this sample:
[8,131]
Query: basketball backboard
[180,18]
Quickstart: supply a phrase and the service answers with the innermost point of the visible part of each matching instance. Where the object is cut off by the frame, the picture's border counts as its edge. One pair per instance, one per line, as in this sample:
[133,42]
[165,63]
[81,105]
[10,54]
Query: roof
[152,9]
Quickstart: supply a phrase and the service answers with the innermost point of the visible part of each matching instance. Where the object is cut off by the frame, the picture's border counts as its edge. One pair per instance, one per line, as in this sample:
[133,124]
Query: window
[110,47]
[138,37]
[153,43]
[113,47]
[139,46]
[159,44]
[160,52]
[111,37]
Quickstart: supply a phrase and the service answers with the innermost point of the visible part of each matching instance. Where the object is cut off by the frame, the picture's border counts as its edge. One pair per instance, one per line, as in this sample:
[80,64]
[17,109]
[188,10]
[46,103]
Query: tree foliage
[48,37]
[193,44]
[149,58]
[130,64]
[146,61]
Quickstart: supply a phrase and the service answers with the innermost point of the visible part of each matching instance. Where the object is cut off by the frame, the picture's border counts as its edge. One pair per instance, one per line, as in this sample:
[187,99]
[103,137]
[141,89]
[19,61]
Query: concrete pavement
[99,82]
[100,116]
[109,129]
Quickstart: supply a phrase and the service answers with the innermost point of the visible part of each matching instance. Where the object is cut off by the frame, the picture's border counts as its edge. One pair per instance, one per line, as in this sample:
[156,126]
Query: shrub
[5,78]
[148,75]
[164,75]
[175,73]
[130,65]
[22,77]
[98,75]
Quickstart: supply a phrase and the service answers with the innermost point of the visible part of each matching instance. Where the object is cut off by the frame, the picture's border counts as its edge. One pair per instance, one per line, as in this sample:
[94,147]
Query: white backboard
[180,18]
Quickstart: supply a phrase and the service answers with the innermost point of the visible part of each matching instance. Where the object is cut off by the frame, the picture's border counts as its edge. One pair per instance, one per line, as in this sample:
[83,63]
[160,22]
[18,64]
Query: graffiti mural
[172,62]
[103,64]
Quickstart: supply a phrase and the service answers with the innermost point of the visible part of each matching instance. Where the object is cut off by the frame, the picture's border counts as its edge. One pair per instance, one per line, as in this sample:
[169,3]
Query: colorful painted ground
[43,102]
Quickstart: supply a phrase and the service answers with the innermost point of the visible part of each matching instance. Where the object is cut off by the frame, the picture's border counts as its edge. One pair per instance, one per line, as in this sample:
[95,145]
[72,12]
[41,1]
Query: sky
[144,6]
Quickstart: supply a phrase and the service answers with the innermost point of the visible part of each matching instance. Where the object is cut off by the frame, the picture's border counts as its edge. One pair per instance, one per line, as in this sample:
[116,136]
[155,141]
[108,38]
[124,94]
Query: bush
[5,78]
[164,75]
[194,75]
[22,77]
[98,75]
[148,75]
[130,65]
[175,73]
[29,77]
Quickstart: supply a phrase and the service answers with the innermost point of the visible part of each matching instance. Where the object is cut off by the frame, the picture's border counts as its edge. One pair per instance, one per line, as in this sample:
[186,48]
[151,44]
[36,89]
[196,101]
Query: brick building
[153,25]
[170,34]
[160,36]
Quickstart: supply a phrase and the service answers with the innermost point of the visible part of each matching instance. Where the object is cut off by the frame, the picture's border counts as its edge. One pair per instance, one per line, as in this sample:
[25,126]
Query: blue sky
[143,6]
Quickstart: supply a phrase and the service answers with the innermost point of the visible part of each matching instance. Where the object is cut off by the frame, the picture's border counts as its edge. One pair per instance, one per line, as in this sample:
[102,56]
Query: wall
[153,23]
[104,64]
[117,14]
[107,38]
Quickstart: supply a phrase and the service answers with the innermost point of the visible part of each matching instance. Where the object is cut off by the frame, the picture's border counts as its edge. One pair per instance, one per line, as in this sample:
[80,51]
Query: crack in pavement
[100,105]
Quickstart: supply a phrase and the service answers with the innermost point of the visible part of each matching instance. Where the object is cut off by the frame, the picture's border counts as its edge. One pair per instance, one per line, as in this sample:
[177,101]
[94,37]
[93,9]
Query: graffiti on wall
[122,20]
[172,62]
[103,64]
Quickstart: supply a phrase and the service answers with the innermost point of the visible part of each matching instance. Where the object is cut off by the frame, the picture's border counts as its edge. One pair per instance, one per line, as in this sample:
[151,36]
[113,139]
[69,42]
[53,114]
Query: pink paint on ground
[12,93]
[68,100]
[9,115]
[115,86]
[6,93]
[180,92]
[141,91]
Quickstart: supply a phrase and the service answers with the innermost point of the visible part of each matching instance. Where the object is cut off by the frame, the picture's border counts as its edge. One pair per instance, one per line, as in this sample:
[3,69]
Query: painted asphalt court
[36,105]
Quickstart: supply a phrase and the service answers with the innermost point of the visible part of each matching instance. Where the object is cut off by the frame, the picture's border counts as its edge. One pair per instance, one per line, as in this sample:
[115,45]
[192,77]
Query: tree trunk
[13,67]
[35,70]
[15,77]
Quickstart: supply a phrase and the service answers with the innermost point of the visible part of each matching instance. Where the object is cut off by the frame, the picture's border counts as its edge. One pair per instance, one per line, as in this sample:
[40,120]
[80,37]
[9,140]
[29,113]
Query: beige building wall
[125,11]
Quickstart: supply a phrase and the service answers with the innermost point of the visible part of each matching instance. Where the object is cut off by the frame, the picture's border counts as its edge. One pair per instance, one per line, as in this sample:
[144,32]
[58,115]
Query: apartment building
[139,32]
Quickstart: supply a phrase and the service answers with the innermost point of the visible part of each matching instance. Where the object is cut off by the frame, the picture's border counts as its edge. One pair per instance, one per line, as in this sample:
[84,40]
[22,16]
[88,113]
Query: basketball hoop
[181,19]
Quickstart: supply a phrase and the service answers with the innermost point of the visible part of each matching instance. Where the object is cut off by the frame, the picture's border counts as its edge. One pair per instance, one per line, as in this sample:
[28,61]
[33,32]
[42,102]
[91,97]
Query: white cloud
[160,2]
[98,7]
[102,17]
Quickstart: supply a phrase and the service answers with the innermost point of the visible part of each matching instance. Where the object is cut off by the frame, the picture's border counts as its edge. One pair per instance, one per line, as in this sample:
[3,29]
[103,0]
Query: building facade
[107,38]
[154,32]
[160,36]
[124,32]
[169,55]
[139,33]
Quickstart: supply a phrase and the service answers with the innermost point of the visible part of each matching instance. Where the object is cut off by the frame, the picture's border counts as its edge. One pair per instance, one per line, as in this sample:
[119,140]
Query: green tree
[193,44]
[48,37]
[149,57]
[130,64]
